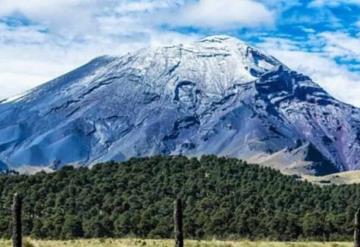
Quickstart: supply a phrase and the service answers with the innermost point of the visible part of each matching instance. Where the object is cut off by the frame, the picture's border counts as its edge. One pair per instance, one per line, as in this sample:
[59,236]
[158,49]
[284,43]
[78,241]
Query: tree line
[222,197]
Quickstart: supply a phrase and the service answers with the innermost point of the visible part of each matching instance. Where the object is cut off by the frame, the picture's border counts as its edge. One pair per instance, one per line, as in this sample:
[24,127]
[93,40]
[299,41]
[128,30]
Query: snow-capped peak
[215,63]
[223,39]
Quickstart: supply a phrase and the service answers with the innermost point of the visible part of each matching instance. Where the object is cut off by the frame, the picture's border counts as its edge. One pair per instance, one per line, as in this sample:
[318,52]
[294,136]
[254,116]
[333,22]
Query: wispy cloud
[342,45]
[332,3]
[225,14]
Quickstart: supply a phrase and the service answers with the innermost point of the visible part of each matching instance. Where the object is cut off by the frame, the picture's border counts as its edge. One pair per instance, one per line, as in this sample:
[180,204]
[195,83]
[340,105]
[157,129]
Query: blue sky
[40,40]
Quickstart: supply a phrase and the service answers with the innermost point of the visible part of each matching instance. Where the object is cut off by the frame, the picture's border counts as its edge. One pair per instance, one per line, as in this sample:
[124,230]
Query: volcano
[215,96]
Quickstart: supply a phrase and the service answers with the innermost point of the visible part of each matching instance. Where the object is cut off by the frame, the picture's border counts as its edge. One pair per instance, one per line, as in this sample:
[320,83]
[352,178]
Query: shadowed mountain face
[216,96]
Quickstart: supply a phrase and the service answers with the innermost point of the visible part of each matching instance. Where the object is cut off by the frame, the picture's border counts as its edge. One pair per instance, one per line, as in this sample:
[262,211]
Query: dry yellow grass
[349,177]
[168,243]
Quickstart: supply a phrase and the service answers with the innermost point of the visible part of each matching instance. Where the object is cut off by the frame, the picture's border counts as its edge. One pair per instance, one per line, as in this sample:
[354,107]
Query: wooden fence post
[178,224]
[357,229]
[16,230]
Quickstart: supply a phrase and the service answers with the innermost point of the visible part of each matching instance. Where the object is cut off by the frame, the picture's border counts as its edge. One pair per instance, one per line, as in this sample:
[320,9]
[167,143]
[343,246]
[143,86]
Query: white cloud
[67,17]
[225,14]
[331,3]
[340,44]
[23,33]
[144,5]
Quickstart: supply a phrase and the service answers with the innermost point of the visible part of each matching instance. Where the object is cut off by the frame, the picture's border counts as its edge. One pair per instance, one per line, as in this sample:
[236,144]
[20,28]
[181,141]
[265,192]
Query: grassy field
[169,243]
[349,177]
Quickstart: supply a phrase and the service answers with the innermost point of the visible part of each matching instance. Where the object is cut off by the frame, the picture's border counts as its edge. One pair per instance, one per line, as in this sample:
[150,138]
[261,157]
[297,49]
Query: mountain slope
[215,96]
